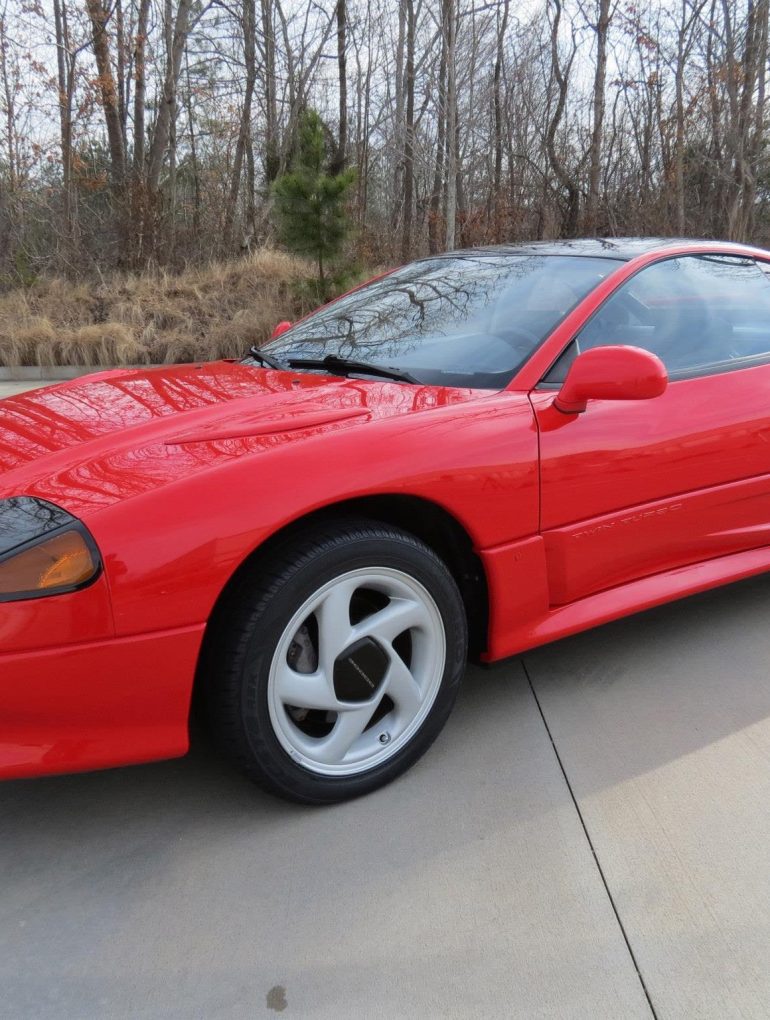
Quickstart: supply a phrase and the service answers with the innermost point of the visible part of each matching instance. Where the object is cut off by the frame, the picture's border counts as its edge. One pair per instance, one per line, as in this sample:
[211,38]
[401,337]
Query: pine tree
[310,198]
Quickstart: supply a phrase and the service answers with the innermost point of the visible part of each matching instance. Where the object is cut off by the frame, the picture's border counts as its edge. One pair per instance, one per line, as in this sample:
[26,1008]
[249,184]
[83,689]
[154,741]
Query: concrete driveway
[589,838]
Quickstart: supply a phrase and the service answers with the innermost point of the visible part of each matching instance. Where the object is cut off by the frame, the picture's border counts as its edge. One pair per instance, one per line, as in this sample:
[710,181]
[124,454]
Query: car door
[633,488]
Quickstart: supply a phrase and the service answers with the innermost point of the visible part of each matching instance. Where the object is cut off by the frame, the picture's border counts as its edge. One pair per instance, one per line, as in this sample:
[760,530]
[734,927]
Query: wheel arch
[422,518]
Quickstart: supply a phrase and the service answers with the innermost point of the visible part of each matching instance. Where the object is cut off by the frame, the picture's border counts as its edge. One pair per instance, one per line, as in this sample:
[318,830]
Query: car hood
[87,443]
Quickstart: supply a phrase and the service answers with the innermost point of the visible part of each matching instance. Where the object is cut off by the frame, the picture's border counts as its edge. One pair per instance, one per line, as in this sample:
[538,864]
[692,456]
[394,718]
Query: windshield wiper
[266,360]
[343,366]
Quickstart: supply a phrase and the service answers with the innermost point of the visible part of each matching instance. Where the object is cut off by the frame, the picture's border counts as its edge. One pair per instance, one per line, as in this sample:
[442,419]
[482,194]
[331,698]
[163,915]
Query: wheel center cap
[359,670]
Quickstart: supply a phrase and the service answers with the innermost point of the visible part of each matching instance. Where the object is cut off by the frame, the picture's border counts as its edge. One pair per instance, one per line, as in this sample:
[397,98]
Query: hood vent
[267,425]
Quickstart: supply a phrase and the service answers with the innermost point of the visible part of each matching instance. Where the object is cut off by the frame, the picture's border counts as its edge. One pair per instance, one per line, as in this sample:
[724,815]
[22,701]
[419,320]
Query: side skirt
[521,619]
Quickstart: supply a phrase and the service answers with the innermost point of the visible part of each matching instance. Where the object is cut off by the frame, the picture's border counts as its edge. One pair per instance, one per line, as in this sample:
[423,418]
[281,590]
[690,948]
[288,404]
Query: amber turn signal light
[61,562]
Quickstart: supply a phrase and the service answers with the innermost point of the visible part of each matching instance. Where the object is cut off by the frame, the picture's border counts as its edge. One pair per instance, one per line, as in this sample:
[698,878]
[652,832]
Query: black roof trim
[624,248]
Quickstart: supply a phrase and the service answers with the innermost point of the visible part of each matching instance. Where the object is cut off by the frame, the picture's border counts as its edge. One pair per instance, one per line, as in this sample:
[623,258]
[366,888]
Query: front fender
[169,552]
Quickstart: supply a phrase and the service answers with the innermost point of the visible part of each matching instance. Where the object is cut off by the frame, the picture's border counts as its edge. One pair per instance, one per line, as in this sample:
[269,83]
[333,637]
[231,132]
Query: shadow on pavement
[655,687]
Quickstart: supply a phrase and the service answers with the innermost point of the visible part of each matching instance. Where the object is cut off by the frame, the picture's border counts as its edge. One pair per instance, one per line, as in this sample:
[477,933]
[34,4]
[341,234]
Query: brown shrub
[108,343]
[206,312]
[20,342]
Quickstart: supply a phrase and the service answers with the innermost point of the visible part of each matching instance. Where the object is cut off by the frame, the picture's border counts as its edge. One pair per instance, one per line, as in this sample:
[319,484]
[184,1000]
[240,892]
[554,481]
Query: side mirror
[280,328]
[611,373]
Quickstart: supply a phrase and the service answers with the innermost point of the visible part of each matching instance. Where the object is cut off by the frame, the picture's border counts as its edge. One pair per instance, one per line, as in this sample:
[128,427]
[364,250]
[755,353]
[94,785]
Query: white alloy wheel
[356,671]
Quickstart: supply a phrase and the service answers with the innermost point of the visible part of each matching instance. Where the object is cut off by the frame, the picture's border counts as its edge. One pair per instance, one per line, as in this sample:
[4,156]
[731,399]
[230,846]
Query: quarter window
[700,314]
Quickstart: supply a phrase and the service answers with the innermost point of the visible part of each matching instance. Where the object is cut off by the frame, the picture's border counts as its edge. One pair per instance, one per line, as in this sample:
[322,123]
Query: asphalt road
[589,838]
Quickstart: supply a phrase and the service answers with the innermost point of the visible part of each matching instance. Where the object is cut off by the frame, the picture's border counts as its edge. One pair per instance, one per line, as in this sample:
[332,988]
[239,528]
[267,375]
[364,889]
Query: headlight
[43,550]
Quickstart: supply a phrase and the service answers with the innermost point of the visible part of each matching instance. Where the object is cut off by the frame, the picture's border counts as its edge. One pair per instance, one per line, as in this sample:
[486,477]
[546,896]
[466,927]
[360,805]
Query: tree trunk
[9,92]
[398,119]
[193,151]
[272,159]
[251,193]
[140,86]
[65,65]
[139,212]
[497,177]
[120,52]
[116,141]
[565,179]
[679,140]
[248,20]
[177,39]
[342,72]
[163,139]
[406,236]
[100,16]
[434,232]
[602,30]
[451,131]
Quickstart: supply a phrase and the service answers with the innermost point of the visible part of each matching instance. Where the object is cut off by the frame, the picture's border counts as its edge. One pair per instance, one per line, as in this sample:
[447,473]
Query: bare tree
[248,25]
[100,22]
[449,28]
[408,165]
[147,131]
[601,27]
[342,74]
[561,77]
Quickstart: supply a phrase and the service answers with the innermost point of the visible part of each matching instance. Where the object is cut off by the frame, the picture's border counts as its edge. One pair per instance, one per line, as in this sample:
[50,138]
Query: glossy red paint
[650,485]
[55,622]
[611,373]
[97,704]
[182,473]
[281,328]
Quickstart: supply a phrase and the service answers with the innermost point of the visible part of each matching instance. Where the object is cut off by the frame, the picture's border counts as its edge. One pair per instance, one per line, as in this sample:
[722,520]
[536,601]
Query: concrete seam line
[599,868]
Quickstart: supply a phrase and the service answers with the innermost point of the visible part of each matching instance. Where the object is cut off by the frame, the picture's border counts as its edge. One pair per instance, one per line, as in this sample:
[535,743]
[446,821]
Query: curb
[54,373]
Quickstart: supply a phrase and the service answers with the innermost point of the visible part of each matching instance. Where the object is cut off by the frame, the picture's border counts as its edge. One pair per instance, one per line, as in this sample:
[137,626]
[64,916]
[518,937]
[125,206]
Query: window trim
[735,365]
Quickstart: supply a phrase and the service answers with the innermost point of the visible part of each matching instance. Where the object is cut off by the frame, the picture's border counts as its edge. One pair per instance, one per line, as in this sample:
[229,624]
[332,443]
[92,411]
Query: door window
[701,314]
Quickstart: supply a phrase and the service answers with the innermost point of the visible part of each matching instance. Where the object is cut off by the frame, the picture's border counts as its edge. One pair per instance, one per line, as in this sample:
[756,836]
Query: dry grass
[210,312]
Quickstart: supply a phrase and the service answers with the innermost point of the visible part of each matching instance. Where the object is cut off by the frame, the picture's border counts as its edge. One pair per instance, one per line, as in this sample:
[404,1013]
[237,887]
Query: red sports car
[472,455]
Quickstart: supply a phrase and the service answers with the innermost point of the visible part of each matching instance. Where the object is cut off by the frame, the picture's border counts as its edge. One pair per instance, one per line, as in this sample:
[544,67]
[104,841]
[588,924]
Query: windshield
[460,320]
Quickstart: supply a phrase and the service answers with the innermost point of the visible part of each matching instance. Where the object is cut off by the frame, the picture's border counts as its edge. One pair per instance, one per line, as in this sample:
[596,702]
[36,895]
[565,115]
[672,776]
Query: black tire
[248,628]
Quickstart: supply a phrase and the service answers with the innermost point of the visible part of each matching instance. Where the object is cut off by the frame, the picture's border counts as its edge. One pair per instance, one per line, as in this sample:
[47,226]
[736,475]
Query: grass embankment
[215,311]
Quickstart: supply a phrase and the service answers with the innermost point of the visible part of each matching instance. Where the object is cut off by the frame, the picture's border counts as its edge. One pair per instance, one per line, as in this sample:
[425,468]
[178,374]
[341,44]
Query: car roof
[624,248]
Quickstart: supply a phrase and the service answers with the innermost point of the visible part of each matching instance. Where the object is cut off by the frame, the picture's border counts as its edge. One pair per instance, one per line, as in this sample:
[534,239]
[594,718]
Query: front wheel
[337,663]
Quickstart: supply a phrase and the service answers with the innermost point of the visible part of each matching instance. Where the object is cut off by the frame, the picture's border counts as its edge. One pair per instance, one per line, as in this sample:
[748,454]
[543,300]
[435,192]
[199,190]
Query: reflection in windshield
[459,320]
